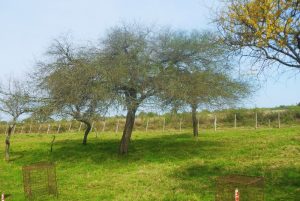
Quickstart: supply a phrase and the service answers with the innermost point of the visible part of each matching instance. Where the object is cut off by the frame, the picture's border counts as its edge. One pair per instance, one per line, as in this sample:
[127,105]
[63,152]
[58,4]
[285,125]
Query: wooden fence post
[30,128]
[58,129]
[80,127]
[92,126]
[104,124]
[269,123]
[256,126]
[6,128]
[278,119]
[180,124]
[234,121]
[96,131]
[198,123]
[70,126]
[48,129]
[22,129]
[39,128]
[117,126]
[215,123]
[13,132]
[147,124]
[164,124]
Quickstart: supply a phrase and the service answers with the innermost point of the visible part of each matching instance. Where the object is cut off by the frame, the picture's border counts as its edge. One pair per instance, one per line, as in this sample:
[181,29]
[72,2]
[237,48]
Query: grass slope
[160,166]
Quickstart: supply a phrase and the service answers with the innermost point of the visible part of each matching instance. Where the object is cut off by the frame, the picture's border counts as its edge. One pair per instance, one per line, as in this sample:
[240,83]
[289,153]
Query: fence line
[214,122]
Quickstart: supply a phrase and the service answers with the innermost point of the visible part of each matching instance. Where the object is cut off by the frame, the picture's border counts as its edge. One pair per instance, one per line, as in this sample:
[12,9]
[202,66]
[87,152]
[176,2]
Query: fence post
[96,131]
[80,127]
[70,126]
[92,126]
[215,123]
[58,129]
[6,128]
[39,128]
[22,129]
[269,123]
[13,132]
[234,121]
[30,128]
[48,129]
[164,124]
[117,126]
[147,124]
[198,123]
[278,119]
[180,123]
[103,128]
[256,120]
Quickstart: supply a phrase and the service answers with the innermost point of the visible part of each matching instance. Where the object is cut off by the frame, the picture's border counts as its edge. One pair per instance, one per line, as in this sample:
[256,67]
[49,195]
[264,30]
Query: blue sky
[28,27]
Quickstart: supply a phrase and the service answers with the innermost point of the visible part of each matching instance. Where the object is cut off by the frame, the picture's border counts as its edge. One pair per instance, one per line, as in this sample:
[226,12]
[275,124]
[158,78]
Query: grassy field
[160,166]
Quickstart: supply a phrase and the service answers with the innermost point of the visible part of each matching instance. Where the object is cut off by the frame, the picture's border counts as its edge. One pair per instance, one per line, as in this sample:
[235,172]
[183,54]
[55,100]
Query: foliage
[269,29]
[15,100]
[198,72]
[72,84]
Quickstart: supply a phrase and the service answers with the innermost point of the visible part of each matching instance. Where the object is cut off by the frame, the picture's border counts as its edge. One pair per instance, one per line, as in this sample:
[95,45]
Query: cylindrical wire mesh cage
[238,187]
[40,180]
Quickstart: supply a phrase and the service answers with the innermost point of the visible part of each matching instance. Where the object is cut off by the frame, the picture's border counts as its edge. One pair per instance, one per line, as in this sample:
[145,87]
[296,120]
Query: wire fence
[159,123]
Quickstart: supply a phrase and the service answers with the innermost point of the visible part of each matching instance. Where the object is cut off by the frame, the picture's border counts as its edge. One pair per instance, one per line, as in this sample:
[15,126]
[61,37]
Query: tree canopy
[72,84]
[199,72]
[268,30]
[127,55]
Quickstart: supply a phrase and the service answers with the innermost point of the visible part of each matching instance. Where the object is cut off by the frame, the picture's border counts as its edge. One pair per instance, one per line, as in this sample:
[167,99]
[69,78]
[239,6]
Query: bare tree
[14,101]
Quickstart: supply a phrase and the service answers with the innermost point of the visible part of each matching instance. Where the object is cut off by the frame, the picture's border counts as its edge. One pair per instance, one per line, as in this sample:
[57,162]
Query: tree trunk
[130,117]
[194,119]
[7,142]
[87,131]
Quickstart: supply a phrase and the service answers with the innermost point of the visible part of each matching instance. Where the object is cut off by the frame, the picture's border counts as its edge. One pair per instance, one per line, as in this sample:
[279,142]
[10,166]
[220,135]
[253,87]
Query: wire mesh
[249,188]
[40,180]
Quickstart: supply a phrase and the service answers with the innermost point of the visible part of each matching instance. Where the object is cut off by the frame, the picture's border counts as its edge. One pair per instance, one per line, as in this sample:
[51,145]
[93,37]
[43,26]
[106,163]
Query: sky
[28,27]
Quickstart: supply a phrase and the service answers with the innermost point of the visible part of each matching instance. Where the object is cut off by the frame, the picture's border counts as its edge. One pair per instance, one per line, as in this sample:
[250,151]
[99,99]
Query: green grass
[160,166]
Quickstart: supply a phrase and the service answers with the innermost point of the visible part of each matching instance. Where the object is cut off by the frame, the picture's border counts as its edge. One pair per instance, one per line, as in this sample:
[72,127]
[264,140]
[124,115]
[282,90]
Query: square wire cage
[249,188]
[40,181]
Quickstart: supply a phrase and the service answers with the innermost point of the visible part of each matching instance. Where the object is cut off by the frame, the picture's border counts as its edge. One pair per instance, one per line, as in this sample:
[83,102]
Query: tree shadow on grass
[16,156]
[167,148]
[200,178]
